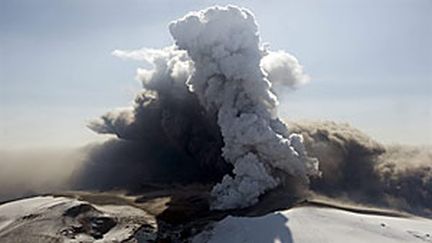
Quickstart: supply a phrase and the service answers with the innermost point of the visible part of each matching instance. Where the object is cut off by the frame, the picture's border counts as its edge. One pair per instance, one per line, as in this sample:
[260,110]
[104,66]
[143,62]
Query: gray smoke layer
[25,172]
[165,137]
[354,167]
[357,168]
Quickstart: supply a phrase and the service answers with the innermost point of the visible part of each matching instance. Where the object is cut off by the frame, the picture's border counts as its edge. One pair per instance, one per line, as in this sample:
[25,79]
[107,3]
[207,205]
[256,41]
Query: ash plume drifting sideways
[358,169]
[217,71]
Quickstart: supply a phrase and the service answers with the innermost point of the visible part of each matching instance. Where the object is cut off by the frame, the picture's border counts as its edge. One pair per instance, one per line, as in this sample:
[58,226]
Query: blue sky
[370,62]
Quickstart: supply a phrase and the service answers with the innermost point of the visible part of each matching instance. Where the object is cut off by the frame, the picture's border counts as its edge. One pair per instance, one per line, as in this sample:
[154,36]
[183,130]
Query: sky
[370,63]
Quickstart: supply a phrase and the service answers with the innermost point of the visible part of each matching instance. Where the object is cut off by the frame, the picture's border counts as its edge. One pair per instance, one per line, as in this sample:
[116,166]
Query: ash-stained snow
[61,219]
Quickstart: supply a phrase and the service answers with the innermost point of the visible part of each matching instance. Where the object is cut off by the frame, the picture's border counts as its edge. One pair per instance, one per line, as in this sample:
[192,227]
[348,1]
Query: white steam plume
[284,68]
[218,58]
[224,44]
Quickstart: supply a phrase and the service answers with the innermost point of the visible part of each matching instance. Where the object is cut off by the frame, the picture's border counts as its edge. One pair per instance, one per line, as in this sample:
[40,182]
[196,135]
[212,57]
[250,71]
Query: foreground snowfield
[64,219]
[60,219]
[315,224]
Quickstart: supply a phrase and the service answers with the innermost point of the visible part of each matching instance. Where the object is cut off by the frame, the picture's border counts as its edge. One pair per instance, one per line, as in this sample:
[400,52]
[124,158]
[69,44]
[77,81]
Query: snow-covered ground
[64,219]
[316,224]
[61,219]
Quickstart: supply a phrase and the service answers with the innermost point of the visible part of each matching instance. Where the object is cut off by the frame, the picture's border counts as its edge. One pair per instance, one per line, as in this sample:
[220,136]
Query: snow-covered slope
[61,219]
[317,224]
[66,219]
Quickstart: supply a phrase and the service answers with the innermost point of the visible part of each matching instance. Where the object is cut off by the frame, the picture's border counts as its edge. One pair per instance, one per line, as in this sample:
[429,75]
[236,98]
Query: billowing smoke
[207,114]
[357,168]
[165,137]
[224,46]
[218,73]
[283,68]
